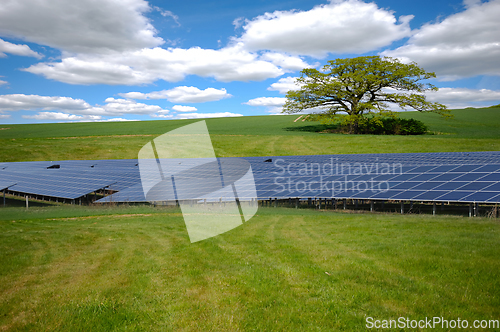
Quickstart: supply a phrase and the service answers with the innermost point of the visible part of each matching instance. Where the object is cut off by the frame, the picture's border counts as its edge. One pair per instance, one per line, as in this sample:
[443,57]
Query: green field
[133,268]
[121,268]
[470,130]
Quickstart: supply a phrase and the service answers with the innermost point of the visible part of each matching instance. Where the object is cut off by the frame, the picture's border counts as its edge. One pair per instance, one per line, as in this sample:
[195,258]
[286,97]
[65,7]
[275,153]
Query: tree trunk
[354,127]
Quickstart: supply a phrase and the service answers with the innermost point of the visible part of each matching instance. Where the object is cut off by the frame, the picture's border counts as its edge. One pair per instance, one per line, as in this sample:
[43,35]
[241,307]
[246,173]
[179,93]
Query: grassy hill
[470,130]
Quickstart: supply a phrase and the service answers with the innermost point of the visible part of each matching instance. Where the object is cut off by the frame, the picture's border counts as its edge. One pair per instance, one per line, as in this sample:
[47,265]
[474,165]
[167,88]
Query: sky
[122,60]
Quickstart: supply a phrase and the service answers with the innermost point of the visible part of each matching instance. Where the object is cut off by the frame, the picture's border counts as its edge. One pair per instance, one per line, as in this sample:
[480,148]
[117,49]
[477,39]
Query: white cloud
[206,115]
[180,108]
[60,116]
[168,13]
[4,116]
[148,65]
[462,45]
[116,120]
[274,105]
[162,114]
[112,106]
[3,82]
[125,106]
[284,61]
[284,85]
[350,26]
[16,49]
[17,102]
[266,101]
[462,97]
[182,94]
[83,26]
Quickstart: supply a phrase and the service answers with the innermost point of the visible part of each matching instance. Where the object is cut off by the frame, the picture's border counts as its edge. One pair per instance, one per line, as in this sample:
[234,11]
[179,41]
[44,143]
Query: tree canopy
[361,86]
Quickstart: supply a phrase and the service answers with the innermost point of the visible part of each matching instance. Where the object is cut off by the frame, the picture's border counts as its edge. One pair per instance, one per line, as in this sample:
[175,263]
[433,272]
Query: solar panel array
[441,177]
[68,179]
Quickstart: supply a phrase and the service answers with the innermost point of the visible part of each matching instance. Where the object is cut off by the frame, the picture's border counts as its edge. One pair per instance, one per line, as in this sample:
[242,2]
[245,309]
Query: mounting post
[433,208]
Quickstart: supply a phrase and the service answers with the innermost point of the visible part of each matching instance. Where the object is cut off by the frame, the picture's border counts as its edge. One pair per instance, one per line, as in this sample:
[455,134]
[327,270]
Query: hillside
[469,130]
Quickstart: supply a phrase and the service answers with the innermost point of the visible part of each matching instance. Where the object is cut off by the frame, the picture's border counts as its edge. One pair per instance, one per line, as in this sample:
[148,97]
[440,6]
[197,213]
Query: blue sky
[116,60]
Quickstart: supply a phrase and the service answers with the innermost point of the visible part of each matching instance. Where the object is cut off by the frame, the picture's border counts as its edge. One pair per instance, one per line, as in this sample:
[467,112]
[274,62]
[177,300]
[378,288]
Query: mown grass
[118,268]
[470,130]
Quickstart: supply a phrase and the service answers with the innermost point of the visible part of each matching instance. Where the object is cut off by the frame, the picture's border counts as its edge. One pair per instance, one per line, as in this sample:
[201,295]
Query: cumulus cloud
[273,105]
[147,65]
[60,116]
[116,120]
[285,61]
[84,26]
[162,114]
[18,102]
[284,85]
[182,94]
[207,115]
[266,101]
[462,45]
[350,26]
[180,108]
[126,106]
[16,49]
[462,97]
[113,42]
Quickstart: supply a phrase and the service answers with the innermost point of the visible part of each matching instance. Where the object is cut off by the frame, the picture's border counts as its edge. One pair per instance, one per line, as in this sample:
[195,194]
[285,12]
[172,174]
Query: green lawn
[470,130]
[103,268]
[133,268]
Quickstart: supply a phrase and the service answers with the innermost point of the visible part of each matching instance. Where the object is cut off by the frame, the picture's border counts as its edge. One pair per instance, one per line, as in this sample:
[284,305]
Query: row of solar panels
[456,177]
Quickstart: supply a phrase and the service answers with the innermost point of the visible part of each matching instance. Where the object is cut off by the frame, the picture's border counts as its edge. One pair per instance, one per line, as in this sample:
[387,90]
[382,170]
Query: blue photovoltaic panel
[447,176]
[465,168]
[406,195]
[5,184]
[454,196]
[457,176]
[488,168]
[451,185]
[404,185]
[470,177]
[491,177]
[428,185]
[481,196]
[430,195]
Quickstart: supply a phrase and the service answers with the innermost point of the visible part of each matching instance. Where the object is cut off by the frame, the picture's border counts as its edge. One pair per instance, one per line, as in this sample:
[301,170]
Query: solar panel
[456,176]
[5,185]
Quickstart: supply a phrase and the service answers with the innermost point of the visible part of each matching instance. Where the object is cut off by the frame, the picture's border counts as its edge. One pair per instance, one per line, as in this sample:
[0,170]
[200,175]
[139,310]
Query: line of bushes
[391,126]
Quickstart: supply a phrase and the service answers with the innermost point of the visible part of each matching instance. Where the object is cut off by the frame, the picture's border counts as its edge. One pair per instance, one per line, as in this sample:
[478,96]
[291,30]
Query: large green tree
[356,87]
